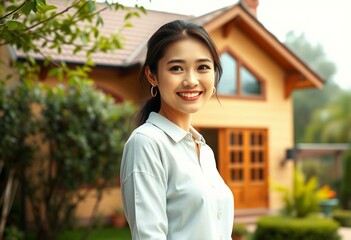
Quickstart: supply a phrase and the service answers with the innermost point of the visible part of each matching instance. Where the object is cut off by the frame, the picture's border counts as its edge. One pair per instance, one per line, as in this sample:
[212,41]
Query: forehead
[188,48]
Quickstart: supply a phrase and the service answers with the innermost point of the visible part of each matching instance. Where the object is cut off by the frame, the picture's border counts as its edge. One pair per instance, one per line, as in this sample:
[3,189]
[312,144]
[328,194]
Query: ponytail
[151,105]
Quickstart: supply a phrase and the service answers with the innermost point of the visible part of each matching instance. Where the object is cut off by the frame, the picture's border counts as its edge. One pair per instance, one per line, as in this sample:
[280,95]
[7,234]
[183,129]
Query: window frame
[239,64]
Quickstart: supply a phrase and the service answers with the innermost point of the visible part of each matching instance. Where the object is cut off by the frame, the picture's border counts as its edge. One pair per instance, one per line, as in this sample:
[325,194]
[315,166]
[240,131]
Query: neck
[180,119]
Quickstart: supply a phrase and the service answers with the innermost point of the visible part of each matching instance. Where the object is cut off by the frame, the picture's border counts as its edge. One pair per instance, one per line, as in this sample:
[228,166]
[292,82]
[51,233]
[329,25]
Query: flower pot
[328,205]
[238,237]
[118,221]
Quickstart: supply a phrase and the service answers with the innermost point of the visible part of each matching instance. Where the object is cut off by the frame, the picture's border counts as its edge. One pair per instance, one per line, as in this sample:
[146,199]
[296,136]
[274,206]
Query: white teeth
[189,95]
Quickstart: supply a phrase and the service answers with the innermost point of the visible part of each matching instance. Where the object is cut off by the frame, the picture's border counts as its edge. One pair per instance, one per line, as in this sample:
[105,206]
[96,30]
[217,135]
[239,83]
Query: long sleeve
[144,189]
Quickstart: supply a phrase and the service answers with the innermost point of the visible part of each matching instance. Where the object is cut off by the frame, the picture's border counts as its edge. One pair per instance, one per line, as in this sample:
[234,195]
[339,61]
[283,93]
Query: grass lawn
[105,233]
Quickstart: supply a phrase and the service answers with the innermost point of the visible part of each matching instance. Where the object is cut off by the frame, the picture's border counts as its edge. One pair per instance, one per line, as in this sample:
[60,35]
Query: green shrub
[283,228]
[345,190]
[343,217]
[239,230]
[72,142]
[13,233]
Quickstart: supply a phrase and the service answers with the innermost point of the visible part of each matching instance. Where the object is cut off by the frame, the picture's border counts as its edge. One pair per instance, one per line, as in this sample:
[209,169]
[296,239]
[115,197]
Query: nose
[191,79]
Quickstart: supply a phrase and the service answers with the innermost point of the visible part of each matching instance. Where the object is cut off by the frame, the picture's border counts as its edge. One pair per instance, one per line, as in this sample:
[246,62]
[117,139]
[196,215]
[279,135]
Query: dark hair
[156,47]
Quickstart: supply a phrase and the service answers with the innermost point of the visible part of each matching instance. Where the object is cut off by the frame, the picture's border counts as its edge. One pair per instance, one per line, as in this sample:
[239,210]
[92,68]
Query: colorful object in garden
[328,204]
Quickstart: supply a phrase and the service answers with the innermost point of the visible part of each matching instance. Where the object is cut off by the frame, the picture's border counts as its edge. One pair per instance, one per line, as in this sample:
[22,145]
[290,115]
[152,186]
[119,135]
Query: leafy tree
[30,26]
[345,190]
[306,101]
[331,123]
[16,125]
[74,139]
[84,132]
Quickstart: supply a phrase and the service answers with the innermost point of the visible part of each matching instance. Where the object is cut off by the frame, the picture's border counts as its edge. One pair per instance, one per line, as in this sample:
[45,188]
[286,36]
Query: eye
[204,67]
[176,68]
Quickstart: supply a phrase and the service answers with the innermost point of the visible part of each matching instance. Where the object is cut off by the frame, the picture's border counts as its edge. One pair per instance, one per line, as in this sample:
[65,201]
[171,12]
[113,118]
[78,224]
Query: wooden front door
[242,160]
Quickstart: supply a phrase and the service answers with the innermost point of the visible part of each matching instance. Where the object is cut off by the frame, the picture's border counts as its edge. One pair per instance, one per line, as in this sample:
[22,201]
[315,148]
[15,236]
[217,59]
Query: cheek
[210,81]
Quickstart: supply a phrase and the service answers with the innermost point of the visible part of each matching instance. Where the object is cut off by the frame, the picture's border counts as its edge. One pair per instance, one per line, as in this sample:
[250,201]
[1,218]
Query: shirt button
[219,215]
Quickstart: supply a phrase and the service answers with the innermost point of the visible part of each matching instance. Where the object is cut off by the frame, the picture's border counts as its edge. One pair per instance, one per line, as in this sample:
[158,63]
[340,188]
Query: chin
[191,111]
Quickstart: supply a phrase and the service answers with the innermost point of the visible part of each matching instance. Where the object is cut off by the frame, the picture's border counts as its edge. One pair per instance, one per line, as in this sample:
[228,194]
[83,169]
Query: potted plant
[328,204]
[118,219]
[239,232]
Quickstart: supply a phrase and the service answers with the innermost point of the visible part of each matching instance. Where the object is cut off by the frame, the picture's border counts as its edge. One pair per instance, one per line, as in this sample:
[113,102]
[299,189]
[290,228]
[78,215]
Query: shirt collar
[197,136]
[171,129]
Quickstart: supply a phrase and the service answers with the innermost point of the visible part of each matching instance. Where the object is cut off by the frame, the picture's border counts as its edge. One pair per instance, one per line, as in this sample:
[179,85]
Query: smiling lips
[189,96]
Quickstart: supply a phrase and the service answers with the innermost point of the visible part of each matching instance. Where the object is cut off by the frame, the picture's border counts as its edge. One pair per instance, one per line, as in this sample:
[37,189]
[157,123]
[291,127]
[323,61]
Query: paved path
[345,233]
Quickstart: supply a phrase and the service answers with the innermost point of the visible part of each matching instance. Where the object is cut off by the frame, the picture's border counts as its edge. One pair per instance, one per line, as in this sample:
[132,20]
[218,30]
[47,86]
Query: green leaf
[136,14]
[127,16]
[11,8]
[49,8]
[84,37]
[141,8]
[91,6]
[14,25]
[128,25]
[99,21]
[52,72]
[40,6]
[28,7]
[77,49]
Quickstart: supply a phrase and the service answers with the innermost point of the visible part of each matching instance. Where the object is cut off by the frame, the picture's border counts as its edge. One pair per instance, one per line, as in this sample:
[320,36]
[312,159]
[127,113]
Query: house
[250,124]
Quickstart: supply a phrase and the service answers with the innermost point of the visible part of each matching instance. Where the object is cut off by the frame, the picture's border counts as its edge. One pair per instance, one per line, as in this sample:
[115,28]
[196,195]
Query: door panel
[243,165]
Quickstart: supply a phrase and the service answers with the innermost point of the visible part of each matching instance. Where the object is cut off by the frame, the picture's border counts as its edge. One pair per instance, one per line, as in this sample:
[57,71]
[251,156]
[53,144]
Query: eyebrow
[183,61]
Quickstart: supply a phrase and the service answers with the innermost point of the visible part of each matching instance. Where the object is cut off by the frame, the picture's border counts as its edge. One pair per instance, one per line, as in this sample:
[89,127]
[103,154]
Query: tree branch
[15,10]
[53,16]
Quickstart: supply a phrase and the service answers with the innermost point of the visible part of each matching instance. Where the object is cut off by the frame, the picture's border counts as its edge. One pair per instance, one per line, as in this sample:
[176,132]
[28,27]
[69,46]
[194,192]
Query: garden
[311,210]
[56,140]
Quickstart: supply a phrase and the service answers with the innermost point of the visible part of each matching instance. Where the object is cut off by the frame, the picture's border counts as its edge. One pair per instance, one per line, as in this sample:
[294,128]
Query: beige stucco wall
[125,84]
[110,202]
[275,113]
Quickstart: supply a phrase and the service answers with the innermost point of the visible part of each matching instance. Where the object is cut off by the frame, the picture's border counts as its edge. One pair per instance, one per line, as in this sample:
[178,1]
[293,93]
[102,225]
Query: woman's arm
[143,186]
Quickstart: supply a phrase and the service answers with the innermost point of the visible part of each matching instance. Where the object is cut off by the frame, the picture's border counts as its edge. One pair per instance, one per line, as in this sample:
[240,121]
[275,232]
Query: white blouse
[169,192]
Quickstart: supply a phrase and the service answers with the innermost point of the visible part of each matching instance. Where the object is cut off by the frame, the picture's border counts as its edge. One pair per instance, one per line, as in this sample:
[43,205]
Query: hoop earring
[153,91]
[214,90]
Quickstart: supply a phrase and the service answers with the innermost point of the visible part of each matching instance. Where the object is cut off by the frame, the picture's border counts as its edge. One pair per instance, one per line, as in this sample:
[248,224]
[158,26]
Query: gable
[297,74]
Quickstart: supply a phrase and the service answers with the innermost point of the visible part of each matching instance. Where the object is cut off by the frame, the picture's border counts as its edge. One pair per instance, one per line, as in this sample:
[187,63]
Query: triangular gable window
[237,80]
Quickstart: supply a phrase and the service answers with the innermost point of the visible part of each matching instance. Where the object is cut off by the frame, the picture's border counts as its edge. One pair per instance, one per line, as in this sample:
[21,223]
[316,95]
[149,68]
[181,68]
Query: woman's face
[185,77]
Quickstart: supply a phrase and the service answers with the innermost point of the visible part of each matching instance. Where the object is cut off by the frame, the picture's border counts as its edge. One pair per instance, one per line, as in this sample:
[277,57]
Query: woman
[170,186]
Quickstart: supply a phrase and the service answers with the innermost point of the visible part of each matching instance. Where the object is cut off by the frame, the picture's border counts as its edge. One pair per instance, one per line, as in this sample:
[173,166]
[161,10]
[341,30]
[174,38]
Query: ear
[151,77]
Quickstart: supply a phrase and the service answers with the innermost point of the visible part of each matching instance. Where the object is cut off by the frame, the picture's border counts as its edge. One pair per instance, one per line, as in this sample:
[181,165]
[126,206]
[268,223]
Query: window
[227,85]
[236,79]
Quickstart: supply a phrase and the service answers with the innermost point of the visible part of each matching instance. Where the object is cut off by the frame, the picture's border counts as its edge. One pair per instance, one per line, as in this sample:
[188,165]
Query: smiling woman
[170,185]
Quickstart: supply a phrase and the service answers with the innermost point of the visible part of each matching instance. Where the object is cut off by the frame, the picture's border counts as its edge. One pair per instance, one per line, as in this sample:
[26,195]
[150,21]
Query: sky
[324,22]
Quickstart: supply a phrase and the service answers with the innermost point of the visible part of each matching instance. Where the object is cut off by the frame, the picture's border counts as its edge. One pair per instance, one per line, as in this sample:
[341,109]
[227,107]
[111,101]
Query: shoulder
[141,153]
[148,132]
[146,135]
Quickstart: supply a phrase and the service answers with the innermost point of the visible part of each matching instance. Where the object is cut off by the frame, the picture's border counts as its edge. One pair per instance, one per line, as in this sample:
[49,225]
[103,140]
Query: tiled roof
[135,37]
